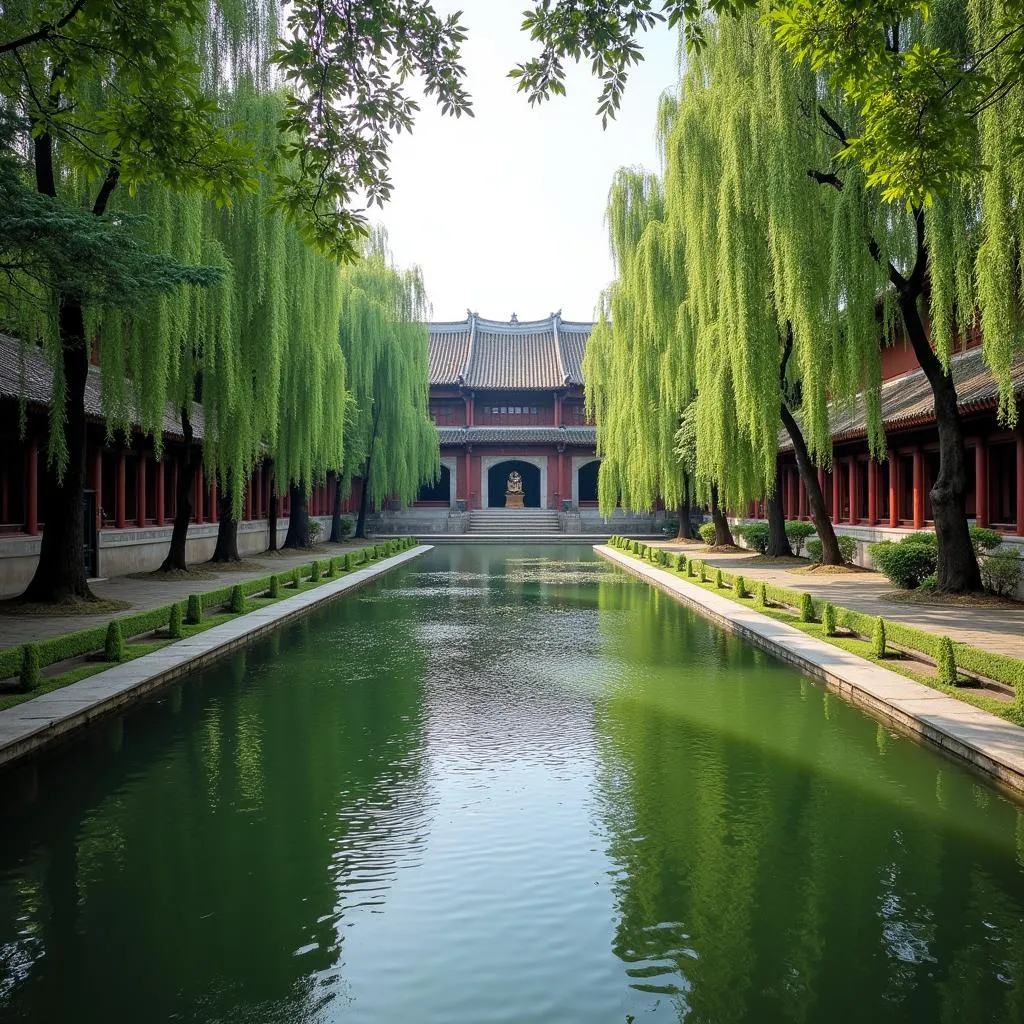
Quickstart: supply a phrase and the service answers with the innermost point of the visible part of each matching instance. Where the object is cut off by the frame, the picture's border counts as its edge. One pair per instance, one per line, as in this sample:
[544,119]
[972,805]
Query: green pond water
[492,787]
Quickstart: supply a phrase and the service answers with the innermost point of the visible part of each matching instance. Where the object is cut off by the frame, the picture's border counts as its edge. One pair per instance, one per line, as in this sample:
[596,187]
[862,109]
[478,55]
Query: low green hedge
[1000,667]
[87,641]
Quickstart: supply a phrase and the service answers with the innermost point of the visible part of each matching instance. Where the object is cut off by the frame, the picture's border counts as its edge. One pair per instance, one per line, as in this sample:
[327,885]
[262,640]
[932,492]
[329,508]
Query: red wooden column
[198,503]
[469,479]
[160,493]
[837,501]
[32,488]
[872,492]
[140,490]
[560,494]
[256,485]
[119,490]
[918,489]
[558,417]
[97,485]
[174,487]
[894,491]
[981,482]
[1020,484]
[851,483]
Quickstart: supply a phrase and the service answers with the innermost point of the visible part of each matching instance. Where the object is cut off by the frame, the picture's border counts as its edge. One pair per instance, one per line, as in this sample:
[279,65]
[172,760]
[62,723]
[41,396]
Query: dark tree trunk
[830,553]
[336,532]
[958,571]
[298,520]
[272,517]
[778,542]
[227,530]
[364,503]
[723,535]
[60,574]
[685,531]
[183,512]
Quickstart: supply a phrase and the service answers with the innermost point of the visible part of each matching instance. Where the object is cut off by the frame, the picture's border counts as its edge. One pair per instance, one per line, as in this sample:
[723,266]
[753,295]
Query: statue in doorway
[514,490]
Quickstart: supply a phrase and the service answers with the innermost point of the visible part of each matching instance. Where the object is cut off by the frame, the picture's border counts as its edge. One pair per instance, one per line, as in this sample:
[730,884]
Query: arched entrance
[438,493]
[497,481]
[586,485]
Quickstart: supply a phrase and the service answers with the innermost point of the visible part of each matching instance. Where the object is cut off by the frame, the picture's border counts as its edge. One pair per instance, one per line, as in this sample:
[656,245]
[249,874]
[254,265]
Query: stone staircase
[514,522]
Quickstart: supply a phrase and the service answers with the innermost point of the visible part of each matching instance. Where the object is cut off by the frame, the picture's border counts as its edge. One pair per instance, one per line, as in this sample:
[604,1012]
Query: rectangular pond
[509,786]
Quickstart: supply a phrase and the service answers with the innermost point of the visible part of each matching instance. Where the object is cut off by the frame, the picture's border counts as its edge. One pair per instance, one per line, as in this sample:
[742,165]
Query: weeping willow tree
[392,443]
[313,397]
[639,376]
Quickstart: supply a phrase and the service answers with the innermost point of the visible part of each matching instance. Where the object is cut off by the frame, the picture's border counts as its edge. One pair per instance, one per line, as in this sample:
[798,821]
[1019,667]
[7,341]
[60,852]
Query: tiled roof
[908,400]
[536,355]
[586,436]
[38,381]
[448,347]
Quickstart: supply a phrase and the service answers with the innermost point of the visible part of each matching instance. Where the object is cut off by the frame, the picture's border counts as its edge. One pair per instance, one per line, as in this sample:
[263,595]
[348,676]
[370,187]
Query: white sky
[505,211]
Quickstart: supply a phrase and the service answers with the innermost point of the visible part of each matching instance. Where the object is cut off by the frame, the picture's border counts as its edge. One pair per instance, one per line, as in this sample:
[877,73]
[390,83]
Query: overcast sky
[505,211]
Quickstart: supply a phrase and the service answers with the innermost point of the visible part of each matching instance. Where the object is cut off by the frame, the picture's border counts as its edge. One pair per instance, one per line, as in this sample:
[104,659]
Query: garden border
[37,723]
[985,741]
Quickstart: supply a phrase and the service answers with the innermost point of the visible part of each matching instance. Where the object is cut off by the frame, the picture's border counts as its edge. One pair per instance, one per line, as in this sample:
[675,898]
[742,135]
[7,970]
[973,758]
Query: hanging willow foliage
[392,442]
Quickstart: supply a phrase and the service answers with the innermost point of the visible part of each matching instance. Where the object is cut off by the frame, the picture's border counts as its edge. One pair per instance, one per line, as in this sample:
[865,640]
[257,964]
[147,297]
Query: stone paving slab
[991,628]
[989,743]
[27,727]
[143,594]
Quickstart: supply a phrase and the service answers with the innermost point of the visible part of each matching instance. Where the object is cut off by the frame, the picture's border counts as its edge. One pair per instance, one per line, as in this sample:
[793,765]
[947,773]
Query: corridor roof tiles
[518,435]
[33,379]
[908,401]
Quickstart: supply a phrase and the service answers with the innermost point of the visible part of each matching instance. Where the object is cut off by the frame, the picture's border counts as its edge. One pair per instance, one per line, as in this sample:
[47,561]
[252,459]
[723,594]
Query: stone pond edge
[986,742]
[33,725]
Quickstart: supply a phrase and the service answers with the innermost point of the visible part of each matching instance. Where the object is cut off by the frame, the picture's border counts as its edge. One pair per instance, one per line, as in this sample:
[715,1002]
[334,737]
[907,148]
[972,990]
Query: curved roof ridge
[464,372]
[556,319]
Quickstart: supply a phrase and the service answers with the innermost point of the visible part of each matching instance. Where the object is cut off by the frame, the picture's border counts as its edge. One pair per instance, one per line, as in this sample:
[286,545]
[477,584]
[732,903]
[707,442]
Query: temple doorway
[497,480]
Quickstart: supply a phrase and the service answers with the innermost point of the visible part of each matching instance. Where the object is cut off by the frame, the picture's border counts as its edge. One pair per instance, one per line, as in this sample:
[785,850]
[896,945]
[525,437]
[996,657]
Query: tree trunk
[60,573]
[183,512]
[364,503]
[227,530]
[957,569]
[778,542]
[298,521]
[723,535]
[272,517]
[336,531]
[830,553]
[685,531]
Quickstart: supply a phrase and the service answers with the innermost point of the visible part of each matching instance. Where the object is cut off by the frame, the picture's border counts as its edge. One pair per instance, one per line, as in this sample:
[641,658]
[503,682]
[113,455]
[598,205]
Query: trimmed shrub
[762,595]
[314,572]
[331,568]
[719,582]
[1001,571]
[296,577]
[679,563]
[756,536]
[348,527]
[113,646]
[797,533]
[350,562]
[739,586]
[984,539]
[847,549]
[929,582]
[194,610]
[878,639]
[275,586]
[703,572]
[945,661]
[828,619]
[237,605]
[707,534]
[174,629]
[806,607]
[314,528]
[30,676]
[814,550]
[907,563]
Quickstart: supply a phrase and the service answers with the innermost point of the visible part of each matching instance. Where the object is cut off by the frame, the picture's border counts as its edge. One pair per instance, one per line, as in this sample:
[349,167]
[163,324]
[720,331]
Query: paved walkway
[143,594]
[992,629]
[978,737]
